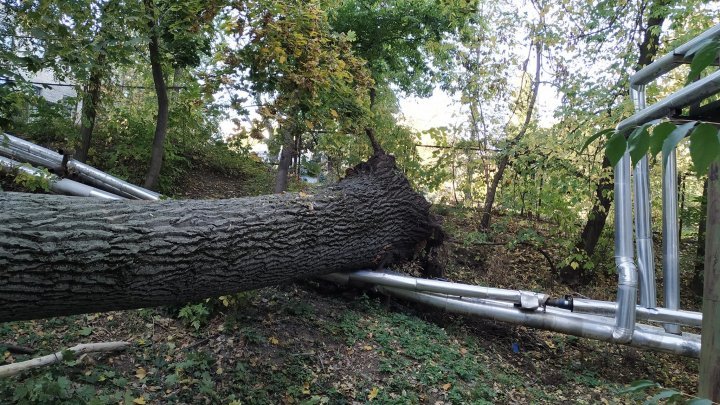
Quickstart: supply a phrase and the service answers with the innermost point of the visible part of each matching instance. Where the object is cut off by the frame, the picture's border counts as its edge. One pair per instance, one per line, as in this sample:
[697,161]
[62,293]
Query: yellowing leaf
[373,393]
[140,373]
[274,341]
[219,371]
[333,113]
[139,401]
[367,347]
[574,265]
[446,386]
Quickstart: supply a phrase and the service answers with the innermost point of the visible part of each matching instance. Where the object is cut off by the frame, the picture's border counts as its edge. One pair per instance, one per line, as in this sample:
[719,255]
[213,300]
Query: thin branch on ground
[15,368]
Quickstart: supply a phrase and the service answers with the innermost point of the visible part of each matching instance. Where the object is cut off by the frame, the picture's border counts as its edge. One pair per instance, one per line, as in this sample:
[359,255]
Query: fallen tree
[64,255]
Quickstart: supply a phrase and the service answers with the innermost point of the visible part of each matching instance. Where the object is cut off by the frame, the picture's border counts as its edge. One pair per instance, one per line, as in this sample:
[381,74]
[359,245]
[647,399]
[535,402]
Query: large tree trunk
[64,255]
[158,146]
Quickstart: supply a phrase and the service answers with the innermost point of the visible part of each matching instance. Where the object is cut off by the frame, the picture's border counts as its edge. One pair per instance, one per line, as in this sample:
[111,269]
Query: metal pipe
[643,234]
[671,271]
[606,308]
[418,284]
[643,208]
[670,60]
[31,150]
[89,173]
[56,184]
[511,297]
[627,272]
[643,337]
[692,93]
[35,154]
[23,155]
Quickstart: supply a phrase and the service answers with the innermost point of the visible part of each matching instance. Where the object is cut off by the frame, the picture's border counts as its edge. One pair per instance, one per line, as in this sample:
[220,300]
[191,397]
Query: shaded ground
[310,342]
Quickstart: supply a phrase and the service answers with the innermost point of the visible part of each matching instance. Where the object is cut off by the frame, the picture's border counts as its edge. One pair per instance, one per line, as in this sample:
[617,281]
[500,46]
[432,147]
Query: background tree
[178,35]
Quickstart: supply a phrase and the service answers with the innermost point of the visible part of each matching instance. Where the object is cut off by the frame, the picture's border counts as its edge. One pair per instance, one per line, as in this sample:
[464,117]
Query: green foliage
[661,394]
[666,136]
[401,40]
[704,55]
[704,146]
[195,315]
[30,182]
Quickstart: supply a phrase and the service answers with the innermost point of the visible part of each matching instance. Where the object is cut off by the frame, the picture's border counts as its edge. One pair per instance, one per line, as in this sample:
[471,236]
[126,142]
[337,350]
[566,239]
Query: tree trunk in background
[696,284]
[594,226]
[91,100]
[63,255]
[504,160]
[597,216]
[286,157]
[158,146]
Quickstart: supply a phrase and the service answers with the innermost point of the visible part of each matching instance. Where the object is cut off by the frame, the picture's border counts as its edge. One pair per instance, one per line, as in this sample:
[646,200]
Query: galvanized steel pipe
[648,338]
[56,184]
[643,208]
[670,60]
[605,308]
[671,265]
[627,272]
[693,93]
[14,147]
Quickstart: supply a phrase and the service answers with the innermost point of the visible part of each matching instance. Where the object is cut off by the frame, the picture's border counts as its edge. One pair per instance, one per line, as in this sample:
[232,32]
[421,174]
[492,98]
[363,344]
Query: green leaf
[615,148]
[659,135]
[665,394]
[638,385]
[699,401]
[677,135]
[692,51]
[595,136]
[704,147]
[638,143]
[86,331]
[704,57]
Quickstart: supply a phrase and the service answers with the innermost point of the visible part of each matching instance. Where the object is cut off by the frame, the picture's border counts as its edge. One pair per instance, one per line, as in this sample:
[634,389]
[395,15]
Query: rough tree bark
[158,146]
[64,255]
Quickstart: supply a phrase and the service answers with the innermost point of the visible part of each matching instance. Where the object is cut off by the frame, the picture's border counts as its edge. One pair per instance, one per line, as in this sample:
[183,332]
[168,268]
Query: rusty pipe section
[56,184]
[22,150]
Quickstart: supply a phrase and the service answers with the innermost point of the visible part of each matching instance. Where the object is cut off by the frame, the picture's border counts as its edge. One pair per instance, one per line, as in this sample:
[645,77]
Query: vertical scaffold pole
[709,386]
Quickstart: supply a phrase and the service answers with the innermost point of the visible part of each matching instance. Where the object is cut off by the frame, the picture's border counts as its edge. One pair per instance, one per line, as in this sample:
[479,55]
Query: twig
[15,368]
[16,349]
